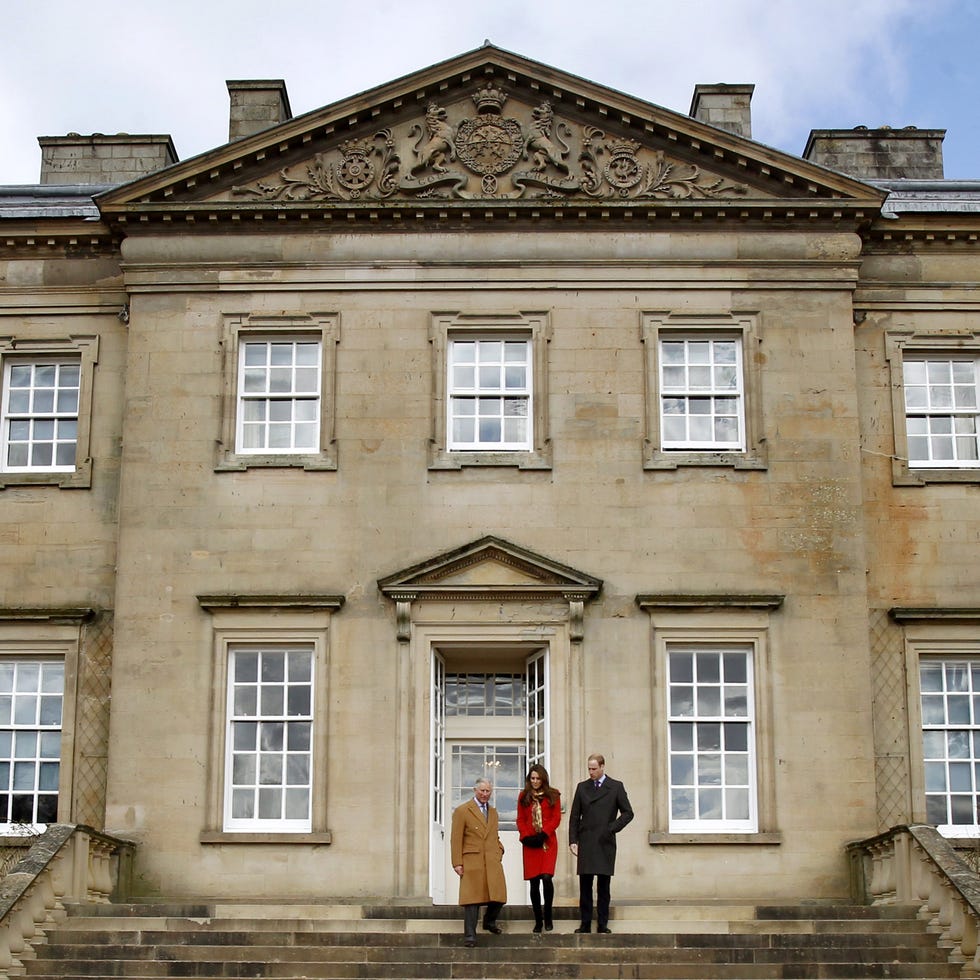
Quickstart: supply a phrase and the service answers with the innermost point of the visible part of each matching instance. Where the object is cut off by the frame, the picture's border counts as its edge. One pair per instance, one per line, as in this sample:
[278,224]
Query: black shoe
[548,925]
[584,929]
[537,927]
[492,927]
[470,942]
[603,929]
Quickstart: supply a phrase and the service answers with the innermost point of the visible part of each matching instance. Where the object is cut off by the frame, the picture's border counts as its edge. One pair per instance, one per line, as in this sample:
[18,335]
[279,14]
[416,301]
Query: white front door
[483,725]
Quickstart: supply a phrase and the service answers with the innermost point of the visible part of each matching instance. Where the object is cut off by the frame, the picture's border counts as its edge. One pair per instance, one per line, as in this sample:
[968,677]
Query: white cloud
[161,68]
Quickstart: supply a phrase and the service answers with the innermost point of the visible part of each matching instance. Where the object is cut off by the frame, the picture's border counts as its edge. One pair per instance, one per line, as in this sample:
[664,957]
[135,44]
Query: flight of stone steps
[662,941]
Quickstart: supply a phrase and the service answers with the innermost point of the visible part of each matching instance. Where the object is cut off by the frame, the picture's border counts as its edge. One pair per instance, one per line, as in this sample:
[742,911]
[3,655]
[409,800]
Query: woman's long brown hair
[551,794]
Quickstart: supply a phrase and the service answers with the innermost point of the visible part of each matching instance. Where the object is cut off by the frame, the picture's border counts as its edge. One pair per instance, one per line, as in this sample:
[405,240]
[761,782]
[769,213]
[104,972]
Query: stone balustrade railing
[67,863]
[915,865]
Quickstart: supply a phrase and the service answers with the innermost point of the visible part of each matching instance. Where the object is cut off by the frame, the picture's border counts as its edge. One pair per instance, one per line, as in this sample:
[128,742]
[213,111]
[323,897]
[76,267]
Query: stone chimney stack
[256,105]
[879,154]
[724,107]
[99,159]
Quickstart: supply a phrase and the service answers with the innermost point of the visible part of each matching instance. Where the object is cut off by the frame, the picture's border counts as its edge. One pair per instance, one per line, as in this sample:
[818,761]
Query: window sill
[236,463]
[444,460]
[79,478]
[660,837]
[656,459]
[906,476]
[252,837]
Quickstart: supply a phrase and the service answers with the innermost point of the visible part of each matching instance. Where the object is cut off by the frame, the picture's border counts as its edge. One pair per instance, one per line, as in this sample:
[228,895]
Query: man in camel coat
[476,857]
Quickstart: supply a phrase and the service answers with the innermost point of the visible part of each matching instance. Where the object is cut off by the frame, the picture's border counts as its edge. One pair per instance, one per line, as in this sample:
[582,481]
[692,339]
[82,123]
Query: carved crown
[623,147]
[490,100]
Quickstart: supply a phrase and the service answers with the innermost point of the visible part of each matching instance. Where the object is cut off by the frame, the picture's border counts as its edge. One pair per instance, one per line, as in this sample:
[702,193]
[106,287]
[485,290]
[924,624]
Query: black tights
[546,884]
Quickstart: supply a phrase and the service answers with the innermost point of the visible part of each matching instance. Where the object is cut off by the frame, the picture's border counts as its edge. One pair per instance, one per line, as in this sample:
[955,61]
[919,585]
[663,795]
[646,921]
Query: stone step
[416,941]
[541,951]
[629,918]
[62,936]
[496,970]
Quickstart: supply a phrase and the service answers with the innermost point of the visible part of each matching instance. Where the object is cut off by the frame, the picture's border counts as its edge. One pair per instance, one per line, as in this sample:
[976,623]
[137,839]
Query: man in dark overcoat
[600,810]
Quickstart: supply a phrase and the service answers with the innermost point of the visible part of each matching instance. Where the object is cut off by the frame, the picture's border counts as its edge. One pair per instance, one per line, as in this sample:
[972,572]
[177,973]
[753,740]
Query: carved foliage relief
[490,156]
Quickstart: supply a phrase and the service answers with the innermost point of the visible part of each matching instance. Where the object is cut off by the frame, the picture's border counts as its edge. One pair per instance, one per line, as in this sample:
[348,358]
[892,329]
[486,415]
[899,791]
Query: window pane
[244,769]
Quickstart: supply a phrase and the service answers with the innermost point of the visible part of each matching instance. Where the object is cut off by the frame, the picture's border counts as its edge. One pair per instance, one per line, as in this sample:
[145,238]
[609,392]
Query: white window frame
[712,392]
[929,636]
[905,346]
[27,744]
[480,392]
[445,329]
[295,398]
[39,638]
[266,622]
[265,718]
[239,330]
[748,451]
[82,351]
[701,720]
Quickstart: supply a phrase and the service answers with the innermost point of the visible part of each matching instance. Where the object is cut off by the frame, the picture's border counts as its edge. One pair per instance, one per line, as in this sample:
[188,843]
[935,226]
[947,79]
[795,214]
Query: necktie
[486,815]
[597,784]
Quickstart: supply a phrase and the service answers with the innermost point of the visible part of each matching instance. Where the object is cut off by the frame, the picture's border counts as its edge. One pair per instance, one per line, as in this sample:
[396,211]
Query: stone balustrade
[915,865]
[67,863]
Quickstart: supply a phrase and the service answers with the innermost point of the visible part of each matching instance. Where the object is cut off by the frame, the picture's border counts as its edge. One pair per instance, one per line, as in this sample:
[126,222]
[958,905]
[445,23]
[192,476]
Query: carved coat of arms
[480,157]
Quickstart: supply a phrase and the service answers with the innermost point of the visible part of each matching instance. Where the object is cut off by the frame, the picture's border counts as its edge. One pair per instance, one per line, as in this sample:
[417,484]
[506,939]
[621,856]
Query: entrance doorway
[489,720]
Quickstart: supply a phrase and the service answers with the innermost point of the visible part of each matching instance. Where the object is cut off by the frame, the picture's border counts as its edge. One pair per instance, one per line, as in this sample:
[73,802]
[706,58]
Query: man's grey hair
[482,781]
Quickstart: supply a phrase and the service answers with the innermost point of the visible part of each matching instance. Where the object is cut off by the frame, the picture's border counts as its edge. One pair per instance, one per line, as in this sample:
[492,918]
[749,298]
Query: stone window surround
[53,634]
[897,342]
[743,325]
[238,620]
[713,619]
[84,348]
[325,327]
[534,325]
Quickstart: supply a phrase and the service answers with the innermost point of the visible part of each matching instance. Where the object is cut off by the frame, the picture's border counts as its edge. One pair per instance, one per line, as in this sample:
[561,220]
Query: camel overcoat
[475,844]
[596,817]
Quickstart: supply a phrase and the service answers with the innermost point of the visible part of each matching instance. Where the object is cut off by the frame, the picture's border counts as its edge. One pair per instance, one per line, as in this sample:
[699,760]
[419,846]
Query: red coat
[540,860]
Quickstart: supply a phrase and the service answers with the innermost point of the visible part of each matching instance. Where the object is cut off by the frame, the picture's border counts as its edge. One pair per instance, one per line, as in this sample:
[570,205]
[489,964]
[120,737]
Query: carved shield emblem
[489,144]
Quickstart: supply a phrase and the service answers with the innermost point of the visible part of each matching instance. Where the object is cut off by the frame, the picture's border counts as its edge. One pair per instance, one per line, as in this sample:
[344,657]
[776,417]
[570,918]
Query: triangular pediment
[489,568]
[487,128]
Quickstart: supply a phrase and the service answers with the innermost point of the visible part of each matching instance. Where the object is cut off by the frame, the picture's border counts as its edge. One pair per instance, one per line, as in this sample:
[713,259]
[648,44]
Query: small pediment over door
[490,569]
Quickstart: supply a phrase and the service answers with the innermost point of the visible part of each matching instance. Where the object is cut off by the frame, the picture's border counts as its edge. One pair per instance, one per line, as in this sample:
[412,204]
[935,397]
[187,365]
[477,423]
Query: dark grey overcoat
[597,816]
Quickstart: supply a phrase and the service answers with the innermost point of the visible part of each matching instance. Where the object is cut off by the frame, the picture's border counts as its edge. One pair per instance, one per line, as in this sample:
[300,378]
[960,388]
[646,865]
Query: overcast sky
[160,66]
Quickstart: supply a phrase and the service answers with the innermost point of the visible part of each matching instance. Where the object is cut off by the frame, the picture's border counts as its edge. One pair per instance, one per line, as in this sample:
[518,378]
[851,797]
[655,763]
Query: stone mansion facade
[489,417]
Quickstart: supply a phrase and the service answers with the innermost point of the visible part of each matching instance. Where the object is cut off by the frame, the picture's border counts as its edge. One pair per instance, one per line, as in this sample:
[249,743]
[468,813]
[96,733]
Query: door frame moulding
[490,592]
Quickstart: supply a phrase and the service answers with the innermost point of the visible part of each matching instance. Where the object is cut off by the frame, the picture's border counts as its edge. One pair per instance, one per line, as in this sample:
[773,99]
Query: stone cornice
[720,600]
[942,614]
[489,215]
[294,603]
[43,614]
[70,238]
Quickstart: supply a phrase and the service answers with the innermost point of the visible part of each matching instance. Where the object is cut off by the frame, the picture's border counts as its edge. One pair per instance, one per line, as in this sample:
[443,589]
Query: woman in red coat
[538,816]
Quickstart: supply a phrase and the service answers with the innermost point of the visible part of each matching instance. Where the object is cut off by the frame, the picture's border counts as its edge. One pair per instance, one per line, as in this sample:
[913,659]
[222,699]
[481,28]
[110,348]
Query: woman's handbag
[535,840]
